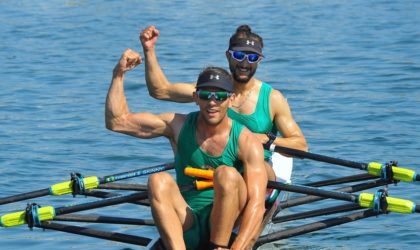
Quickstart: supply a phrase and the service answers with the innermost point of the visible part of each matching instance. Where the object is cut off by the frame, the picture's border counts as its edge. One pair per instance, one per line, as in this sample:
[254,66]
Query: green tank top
[189,154]
[259,121]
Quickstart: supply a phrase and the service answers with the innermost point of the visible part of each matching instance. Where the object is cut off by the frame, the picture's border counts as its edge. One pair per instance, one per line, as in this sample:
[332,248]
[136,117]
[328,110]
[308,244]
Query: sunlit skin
[246,89]
[161,88]
[243,71]
[235,194]
[213,111]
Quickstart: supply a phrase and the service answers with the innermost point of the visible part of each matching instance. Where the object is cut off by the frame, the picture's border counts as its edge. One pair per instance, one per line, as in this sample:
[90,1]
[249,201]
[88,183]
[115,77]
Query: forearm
[116,104]
[156,81]
[292,135]
[158,85]
[296,142]
[251,220]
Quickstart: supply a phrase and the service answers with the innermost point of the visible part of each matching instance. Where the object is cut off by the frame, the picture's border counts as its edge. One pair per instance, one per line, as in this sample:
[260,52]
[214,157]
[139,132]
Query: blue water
[350,71]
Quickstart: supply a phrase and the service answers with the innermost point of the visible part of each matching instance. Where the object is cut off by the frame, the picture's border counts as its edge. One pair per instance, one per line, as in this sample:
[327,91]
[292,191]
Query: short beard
[242,80]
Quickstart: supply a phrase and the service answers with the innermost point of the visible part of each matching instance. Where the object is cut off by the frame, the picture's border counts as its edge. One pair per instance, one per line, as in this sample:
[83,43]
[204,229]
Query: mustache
[235,75]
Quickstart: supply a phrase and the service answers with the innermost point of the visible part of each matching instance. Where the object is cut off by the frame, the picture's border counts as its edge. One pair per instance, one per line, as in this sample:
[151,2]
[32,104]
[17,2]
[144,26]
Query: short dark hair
[244,31]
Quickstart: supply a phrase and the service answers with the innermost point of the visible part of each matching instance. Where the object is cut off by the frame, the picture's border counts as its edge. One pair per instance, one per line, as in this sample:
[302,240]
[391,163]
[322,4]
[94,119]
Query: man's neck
[208,130]
[245,87]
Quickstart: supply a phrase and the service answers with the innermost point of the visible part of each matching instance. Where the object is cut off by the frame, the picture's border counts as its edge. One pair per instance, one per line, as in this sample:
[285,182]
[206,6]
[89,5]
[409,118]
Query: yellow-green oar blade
[18,218]
[399,173]
[364,199]
[66,186]
[374,168]
[87,183]
[396,205]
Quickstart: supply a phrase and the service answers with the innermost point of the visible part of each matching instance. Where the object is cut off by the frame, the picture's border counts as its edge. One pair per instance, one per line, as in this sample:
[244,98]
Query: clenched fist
[148,37]
[128,61]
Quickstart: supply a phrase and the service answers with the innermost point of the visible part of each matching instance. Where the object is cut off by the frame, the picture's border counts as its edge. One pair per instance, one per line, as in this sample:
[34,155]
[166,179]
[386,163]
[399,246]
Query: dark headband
[210,78]
[246,44]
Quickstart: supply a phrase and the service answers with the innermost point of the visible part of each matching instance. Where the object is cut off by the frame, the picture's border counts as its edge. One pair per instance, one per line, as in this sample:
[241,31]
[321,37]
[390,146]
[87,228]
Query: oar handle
[206,174]
[200,173]
[201,185]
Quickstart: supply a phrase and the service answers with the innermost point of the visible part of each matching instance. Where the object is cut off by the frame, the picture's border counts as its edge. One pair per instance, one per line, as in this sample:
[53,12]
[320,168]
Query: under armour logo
[248,42]
[217,77]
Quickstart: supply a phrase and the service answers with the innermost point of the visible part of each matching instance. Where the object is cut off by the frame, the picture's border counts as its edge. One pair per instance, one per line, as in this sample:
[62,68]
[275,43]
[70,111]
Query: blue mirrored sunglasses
[218,96]
[240,56]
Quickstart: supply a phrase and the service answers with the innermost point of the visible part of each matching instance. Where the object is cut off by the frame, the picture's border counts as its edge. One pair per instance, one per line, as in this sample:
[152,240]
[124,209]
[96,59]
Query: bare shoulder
[278,103]
[171,116]
[248,144]
[277,97]
[174,121]
[180,118]
[246,136]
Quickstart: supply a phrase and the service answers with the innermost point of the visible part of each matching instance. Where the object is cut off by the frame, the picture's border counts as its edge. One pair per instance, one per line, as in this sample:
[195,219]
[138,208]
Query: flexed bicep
[148,125]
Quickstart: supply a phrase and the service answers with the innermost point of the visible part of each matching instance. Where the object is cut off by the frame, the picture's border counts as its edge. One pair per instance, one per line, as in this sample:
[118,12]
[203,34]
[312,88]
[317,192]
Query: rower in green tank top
[204,139]
[244,55]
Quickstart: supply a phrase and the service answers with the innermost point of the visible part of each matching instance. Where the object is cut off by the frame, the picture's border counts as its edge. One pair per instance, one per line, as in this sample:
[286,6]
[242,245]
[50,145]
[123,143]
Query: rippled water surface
[350,71]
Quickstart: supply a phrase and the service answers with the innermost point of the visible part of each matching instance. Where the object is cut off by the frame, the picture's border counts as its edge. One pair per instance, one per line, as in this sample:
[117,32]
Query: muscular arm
[250,151]
[118,117]
[158,85]
[283,119]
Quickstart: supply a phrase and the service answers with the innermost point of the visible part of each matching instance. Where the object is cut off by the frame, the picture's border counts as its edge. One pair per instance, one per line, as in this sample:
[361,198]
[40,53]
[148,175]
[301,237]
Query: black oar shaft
[123,186]
[322,158]
[29,195]
[102,180]
[101,203]
[313,191]
[110,202]
[349,189]
[136,173]
[104,195]
[318,212]
[313,227]
[125,238]
[341,180]
[103,219]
